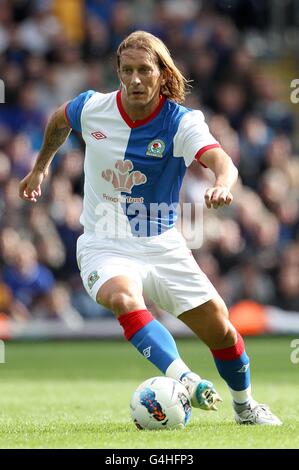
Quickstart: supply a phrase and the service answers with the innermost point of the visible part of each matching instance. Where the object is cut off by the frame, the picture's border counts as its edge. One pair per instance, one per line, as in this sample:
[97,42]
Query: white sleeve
[193,137]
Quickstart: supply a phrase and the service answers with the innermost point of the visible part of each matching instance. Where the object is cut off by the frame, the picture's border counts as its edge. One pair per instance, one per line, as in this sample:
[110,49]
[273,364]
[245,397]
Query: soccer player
[139,142]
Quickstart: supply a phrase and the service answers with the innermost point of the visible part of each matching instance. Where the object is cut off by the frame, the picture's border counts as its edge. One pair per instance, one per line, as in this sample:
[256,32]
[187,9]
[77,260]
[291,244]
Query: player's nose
[135,78]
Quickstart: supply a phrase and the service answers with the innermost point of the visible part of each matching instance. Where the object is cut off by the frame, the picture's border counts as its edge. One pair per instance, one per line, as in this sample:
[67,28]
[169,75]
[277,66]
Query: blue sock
[235,372]
[234,367]
[156,343]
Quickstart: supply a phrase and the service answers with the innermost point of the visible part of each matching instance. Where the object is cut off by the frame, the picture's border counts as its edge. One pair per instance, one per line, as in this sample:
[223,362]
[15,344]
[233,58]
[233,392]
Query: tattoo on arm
[55,135]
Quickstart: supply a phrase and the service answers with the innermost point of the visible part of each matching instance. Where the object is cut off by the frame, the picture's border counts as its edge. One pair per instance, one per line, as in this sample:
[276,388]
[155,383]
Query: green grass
[76,395]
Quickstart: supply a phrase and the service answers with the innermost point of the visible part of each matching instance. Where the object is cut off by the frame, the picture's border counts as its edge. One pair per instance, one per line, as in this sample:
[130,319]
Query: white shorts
[162,266]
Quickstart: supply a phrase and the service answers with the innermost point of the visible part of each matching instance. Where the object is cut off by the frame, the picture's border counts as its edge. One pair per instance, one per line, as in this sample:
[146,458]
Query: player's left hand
[218,196]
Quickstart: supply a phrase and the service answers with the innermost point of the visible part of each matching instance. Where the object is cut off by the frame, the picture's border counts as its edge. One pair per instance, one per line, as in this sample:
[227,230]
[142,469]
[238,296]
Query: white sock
[241,397]
[176,369]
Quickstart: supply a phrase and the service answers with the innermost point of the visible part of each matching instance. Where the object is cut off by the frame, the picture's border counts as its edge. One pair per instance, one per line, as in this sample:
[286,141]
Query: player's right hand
[30,186]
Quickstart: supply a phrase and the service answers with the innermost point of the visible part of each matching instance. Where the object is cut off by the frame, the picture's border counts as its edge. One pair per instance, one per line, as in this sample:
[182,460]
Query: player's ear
[120,80]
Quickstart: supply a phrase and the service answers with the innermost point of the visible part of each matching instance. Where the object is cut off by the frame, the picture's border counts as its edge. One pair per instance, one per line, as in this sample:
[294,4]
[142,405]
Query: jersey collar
[139,122]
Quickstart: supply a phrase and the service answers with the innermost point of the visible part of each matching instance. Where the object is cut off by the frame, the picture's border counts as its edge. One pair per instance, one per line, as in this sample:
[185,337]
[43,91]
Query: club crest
[92,278]
[155,148]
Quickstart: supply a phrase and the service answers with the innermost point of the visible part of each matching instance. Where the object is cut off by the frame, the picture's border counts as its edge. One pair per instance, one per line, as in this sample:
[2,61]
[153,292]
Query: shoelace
[262,409]
[257,411]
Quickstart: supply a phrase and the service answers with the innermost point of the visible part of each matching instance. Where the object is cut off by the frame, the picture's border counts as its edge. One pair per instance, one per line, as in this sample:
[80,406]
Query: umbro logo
[147,352]
[244,368]
[98,135]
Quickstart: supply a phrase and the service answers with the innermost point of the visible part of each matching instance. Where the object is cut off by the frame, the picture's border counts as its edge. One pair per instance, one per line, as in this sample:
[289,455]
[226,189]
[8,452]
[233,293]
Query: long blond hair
[176,85]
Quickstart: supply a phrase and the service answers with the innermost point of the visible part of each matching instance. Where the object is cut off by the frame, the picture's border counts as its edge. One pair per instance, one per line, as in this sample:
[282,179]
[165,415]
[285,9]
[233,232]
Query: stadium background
[242,57]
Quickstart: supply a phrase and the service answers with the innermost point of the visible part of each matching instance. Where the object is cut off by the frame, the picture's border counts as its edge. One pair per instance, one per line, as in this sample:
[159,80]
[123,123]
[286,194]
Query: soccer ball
[160,403]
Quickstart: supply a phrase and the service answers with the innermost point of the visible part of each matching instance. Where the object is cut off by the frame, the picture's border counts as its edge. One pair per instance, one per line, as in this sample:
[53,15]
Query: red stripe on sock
[233,352]
[134,321]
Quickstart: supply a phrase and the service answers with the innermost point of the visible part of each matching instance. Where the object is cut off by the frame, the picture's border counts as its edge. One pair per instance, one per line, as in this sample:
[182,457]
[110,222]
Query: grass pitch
[76,395]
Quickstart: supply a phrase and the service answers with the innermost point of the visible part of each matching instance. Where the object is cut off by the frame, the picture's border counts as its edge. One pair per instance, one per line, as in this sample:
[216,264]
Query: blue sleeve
[74,108]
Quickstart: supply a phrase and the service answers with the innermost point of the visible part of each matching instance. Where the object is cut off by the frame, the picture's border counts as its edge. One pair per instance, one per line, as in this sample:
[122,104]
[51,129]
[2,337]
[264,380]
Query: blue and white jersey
[134,169]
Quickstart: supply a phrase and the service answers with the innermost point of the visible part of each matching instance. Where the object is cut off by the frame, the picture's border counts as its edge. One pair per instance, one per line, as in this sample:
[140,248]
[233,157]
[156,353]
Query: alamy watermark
[2,351]
[2,91]
[295,353]
[122,217]
[294,96]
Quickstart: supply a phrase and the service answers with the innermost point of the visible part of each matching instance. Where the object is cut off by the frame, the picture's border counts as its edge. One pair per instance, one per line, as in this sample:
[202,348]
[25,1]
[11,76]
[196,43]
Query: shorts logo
[155,148]
[92,278]
[147,352]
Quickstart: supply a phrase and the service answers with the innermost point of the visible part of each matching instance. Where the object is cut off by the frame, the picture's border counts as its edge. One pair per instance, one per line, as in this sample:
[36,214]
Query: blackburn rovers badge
[155,148]
[92,278]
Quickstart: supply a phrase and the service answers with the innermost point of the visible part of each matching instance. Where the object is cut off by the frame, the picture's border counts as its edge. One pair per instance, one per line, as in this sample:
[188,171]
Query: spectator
[26,277]
[69,230]
[288,288]
[248,282]
[57,306]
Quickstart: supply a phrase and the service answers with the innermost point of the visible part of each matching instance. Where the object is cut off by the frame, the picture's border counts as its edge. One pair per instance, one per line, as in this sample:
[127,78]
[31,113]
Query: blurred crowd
[50,51]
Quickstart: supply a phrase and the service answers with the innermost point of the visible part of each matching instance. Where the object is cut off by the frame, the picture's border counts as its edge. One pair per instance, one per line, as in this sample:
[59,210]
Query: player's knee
[120,302]
[223,337]
[222,332]
[219,307]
